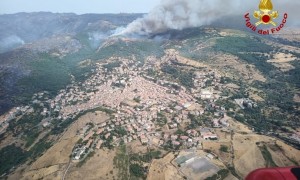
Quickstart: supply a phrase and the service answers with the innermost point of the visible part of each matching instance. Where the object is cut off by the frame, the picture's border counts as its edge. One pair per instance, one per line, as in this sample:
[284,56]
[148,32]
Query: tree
[224,148]
[136,170]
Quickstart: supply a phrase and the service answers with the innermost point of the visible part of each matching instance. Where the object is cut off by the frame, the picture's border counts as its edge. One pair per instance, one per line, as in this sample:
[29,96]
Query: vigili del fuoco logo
[264,17]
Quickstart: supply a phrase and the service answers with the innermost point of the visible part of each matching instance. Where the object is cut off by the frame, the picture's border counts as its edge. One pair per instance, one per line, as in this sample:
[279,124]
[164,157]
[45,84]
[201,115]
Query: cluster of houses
[220,122]
[98,90]
[204,84]
[139,119]
[108,133]
[79,97]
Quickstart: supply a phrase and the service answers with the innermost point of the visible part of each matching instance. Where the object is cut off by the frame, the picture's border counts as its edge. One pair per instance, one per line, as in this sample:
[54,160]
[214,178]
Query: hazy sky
[77,6]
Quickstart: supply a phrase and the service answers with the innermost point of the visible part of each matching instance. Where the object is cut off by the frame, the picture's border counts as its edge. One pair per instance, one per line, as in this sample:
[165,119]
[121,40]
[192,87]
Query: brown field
[224,136]
[136,146]
[172,54]
[162,169]
[232,86]
[282,58]
[253,94]
[231,32]
[279,158]
[284,66]
[245,149]
[247,155]
[255,97]
[215,148]
[236,67]
[100,166]
[50,172]
[239,127]
[190,62]
[55,160]
[289,151]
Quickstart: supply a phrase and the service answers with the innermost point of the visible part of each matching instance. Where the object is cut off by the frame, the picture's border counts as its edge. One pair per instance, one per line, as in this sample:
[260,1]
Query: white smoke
[181,14]
[10,42]
[96,38]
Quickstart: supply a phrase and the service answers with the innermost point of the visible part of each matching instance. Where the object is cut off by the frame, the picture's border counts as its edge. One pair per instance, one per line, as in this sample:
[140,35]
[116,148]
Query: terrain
[66,39]
[76,102]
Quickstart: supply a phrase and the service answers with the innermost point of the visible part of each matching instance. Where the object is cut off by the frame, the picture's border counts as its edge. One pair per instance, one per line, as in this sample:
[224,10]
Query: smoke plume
[181,14]
[10,42]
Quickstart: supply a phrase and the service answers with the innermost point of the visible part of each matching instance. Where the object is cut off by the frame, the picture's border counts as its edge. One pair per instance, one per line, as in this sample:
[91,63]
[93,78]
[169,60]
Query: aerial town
[141,107]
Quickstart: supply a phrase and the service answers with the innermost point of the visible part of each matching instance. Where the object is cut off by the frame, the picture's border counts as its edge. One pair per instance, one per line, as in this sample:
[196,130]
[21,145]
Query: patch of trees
[31,137]
[181,132]
[39,148]
[242,44]
[145,157]
[89,156]
[286,42]
[50,74]
[60,127]
[196,121]
[226,104]
[239,117]
[267,156]
[279,86]
[136,162]
[293,76]
[161,119]
[224,148]
[137,99]
[246,49]
[11,156]
[120,131]
[137,170]
[26,122]
[150,155]
[112,65]
[138,49]
[184,78]
[47,74]
[279,93]
[151,72]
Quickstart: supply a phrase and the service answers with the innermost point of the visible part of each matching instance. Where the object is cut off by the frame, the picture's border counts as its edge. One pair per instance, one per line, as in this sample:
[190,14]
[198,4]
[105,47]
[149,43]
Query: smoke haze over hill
[180,14]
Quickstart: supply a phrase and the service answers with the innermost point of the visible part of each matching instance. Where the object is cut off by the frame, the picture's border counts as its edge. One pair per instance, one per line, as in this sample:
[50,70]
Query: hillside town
[158,112]
[164,107]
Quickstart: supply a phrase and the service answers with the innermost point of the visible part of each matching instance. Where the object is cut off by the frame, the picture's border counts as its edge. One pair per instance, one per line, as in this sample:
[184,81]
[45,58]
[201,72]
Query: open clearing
[235,67]
[281,60]
[297,98]
[100,166]
[248,156]
[162,169]
[215,148]
[55,160]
